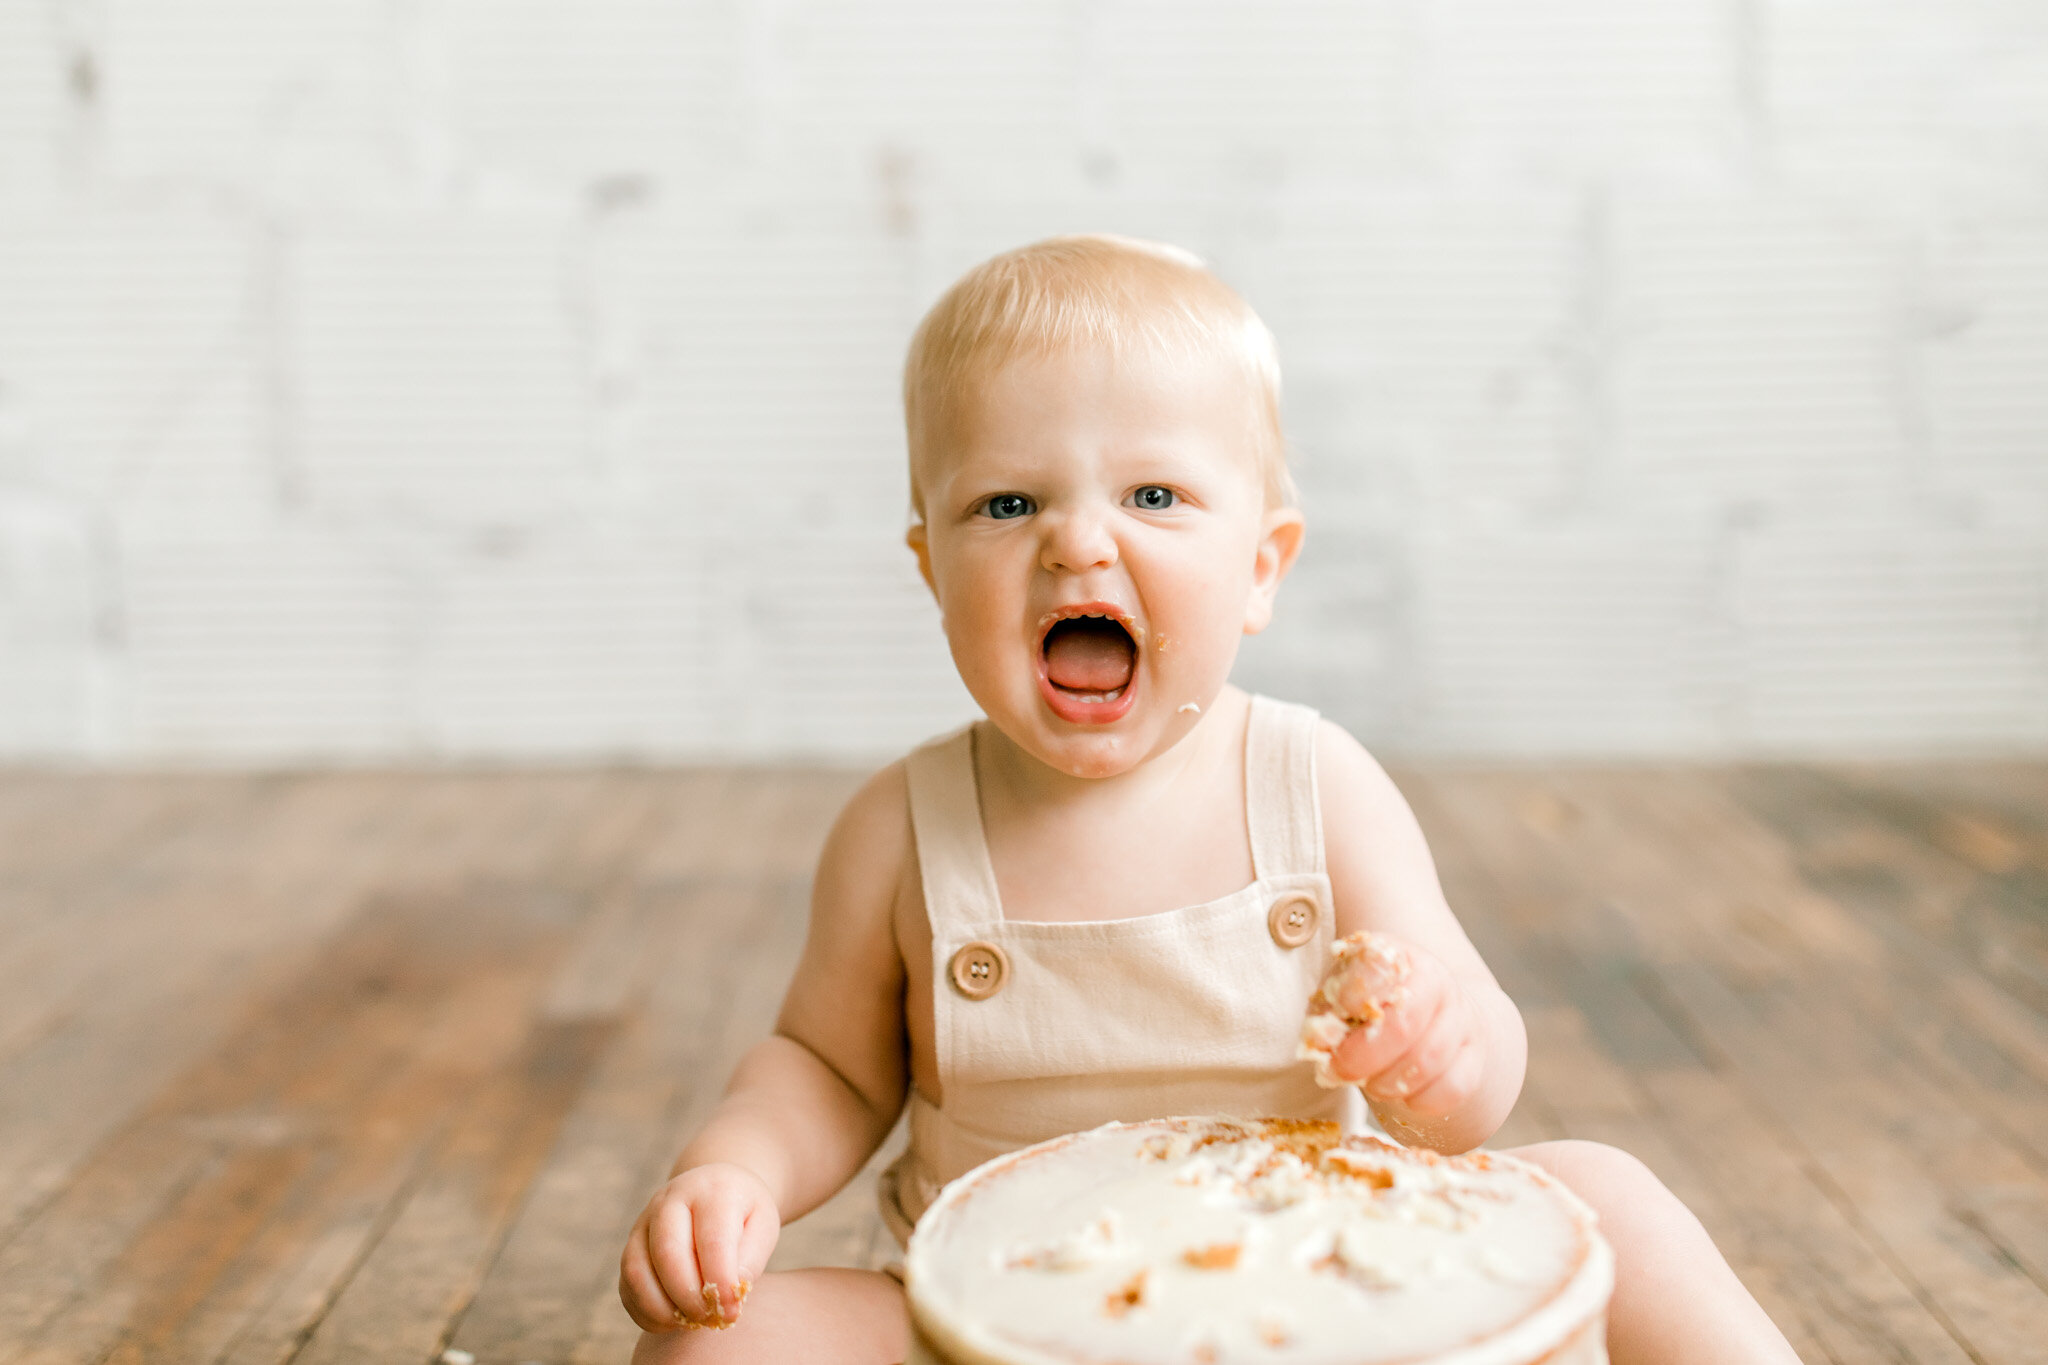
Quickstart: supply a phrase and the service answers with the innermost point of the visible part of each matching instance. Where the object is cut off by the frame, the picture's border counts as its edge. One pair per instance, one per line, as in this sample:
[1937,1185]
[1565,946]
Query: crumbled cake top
[1153,1242]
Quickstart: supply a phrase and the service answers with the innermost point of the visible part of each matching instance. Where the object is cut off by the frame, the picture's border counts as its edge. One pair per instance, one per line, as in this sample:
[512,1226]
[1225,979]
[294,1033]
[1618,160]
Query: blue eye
[1153,498]
[1004,506]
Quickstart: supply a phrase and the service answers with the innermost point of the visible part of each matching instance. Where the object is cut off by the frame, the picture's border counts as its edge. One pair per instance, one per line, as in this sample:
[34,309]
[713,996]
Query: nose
[1077,542]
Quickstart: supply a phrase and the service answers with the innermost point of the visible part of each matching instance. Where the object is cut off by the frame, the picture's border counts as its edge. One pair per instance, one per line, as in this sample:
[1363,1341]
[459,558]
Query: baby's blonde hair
[1118,294]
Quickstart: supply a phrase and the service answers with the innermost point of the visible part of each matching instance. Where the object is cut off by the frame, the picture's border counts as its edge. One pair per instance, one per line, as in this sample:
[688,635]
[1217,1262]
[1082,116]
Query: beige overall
[1049,1028]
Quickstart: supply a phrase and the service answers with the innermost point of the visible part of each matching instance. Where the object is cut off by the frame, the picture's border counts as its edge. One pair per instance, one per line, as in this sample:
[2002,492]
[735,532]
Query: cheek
[972,605]
[1202,613]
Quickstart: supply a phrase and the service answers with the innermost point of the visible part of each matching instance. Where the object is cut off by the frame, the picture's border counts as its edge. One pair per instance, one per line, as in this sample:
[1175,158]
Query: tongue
[1088,656]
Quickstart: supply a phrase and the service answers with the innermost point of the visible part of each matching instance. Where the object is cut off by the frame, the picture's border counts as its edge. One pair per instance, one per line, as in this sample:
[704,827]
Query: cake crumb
[1215,1256]
[1167,1146]
[718,1320]
[1129,1295]
[1359,1167]
[1084,1247]
[1365,979]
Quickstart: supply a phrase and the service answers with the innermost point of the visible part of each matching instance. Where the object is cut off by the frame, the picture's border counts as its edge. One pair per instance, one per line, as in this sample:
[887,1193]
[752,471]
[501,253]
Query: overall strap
[1281,804]
[952,853]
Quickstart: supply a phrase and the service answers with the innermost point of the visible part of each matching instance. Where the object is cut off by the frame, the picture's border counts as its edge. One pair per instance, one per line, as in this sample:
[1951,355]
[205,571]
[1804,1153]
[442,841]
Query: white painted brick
[575,91]
[1986,330]
[1604,88]
[772,446]
[212,88]
[980,99]
[1890,98]
[775,350]
[49,672]
[1761,352]
[1305,90]
[217,461]
[116,328]
[586,644]
[436,374]
[284,641]
[1338,641]
[829,644]
[1892,638]
[1586,639]
[1446,326]
[32,102]
[460,378]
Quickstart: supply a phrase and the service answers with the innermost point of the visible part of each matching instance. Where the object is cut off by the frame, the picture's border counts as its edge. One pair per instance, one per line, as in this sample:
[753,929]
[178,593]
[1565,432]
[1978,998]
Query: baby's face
[1097,536]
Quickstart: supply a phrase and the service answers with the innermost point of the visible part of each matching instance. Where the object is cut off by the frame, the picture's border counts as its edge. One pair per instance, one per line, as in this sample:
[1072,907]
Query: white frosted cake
[1188,1241]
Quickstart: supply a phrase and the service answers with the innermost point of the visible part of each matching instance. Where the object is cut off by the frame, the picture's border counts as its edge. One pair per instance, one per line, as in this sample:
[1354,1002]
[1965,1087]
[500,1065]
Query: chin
[1097,757]
[1111,751]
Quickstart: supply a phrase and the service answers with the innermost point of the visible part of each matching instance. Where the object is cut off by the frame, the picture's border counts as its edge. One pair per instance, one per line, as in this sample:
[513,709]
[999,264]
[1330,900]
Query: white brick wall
[462,378]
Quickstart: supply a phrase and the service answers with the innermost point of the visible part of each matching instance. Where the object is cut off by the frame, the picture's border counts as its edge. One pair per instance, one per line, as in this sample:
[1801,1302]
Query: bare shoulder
[853,892]
[1381,872]
[845,999]
[1357,795]
[870,840]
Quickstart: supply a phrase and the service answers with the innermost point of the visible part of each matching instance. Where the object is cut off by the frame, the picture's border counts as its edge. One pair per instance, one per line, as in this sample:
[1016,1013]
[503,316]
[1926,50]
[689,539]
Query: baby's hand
[1392,1018]
[697,1248]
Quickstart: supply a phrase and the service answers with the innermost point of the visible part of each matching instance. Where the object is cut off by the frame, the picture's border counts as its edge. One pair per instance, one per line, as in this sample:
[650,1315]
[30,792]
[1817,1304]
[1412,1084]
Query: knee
[693,1346]
[848,1315]
[1629,1197]
[679,1347]
[1595,1165]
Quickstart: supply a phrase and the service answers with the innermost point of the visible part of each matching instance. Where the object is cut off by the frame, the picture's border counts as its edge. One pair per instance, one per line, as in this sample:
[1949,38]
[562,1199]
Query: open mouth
[1087,665]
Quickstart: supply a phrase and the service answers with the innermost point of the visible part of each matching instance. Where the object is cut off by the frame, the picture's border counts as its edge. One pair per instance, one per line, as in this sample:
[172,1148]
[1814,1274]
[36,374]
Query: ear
[1279,547]
[920,545]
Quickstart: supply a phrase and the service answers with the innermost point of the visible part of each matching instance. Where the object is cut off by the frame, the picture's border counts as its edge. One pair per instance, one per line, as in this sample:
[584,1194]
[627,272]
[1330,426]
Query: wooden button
[978,970]
[1292,919]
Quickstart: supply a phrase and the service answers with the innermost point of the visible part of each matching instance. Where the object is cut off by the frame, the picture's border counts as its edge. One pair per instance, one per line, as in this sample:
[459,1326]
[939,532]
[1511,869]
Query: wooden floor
[359,1067]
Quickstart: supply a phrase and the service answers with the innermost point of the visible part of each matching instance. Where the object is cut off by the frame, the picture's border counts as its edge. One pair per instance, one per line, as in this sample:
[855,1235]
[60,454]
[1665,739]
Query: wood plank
[355,1061]
[1754,1235]
[1771,984]
[1886,853]
[426,1265]
[590,849]
[1929,991]
[561,1257]
[182,970]
[146,904]
[1591,1036]
[766,923]
[320,854]
[1804,1052]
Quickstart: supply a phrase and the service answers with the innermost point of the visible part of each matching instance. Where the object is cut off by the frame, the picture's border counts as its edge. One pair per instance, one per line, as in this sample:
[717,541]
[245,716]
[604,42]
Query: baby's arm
[807,1105]
[1443,1065]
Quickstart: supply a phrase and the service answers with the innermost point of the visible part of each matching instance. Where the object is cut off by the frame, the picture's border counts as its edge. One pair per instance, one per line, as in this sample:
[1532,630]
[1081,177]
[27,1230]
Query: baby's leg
[1676,1302]
[832,1317]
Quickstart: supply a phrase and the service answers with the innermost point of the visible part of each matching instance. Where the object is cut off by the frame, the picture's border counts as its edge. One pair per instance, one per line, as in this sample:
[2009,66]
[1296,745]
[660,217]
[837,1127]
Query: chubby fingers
[1423,1053]
[1365,1054]
[1371,976]
[733,1238]
[1456,1082]
[1439,1071]
[640,1288]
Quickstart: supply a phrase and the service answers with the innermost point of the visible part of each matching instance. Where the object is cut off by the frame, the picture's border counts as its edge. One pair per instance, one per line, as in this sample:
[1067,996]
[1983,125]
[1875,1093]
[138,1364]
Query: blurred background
[396,380]
[466,431]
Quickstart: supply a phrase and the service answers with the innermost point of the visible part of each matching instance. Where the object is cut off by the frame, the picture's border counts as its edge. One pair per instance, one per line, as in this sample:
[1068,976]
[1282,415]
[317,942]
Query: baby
[1114,897]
